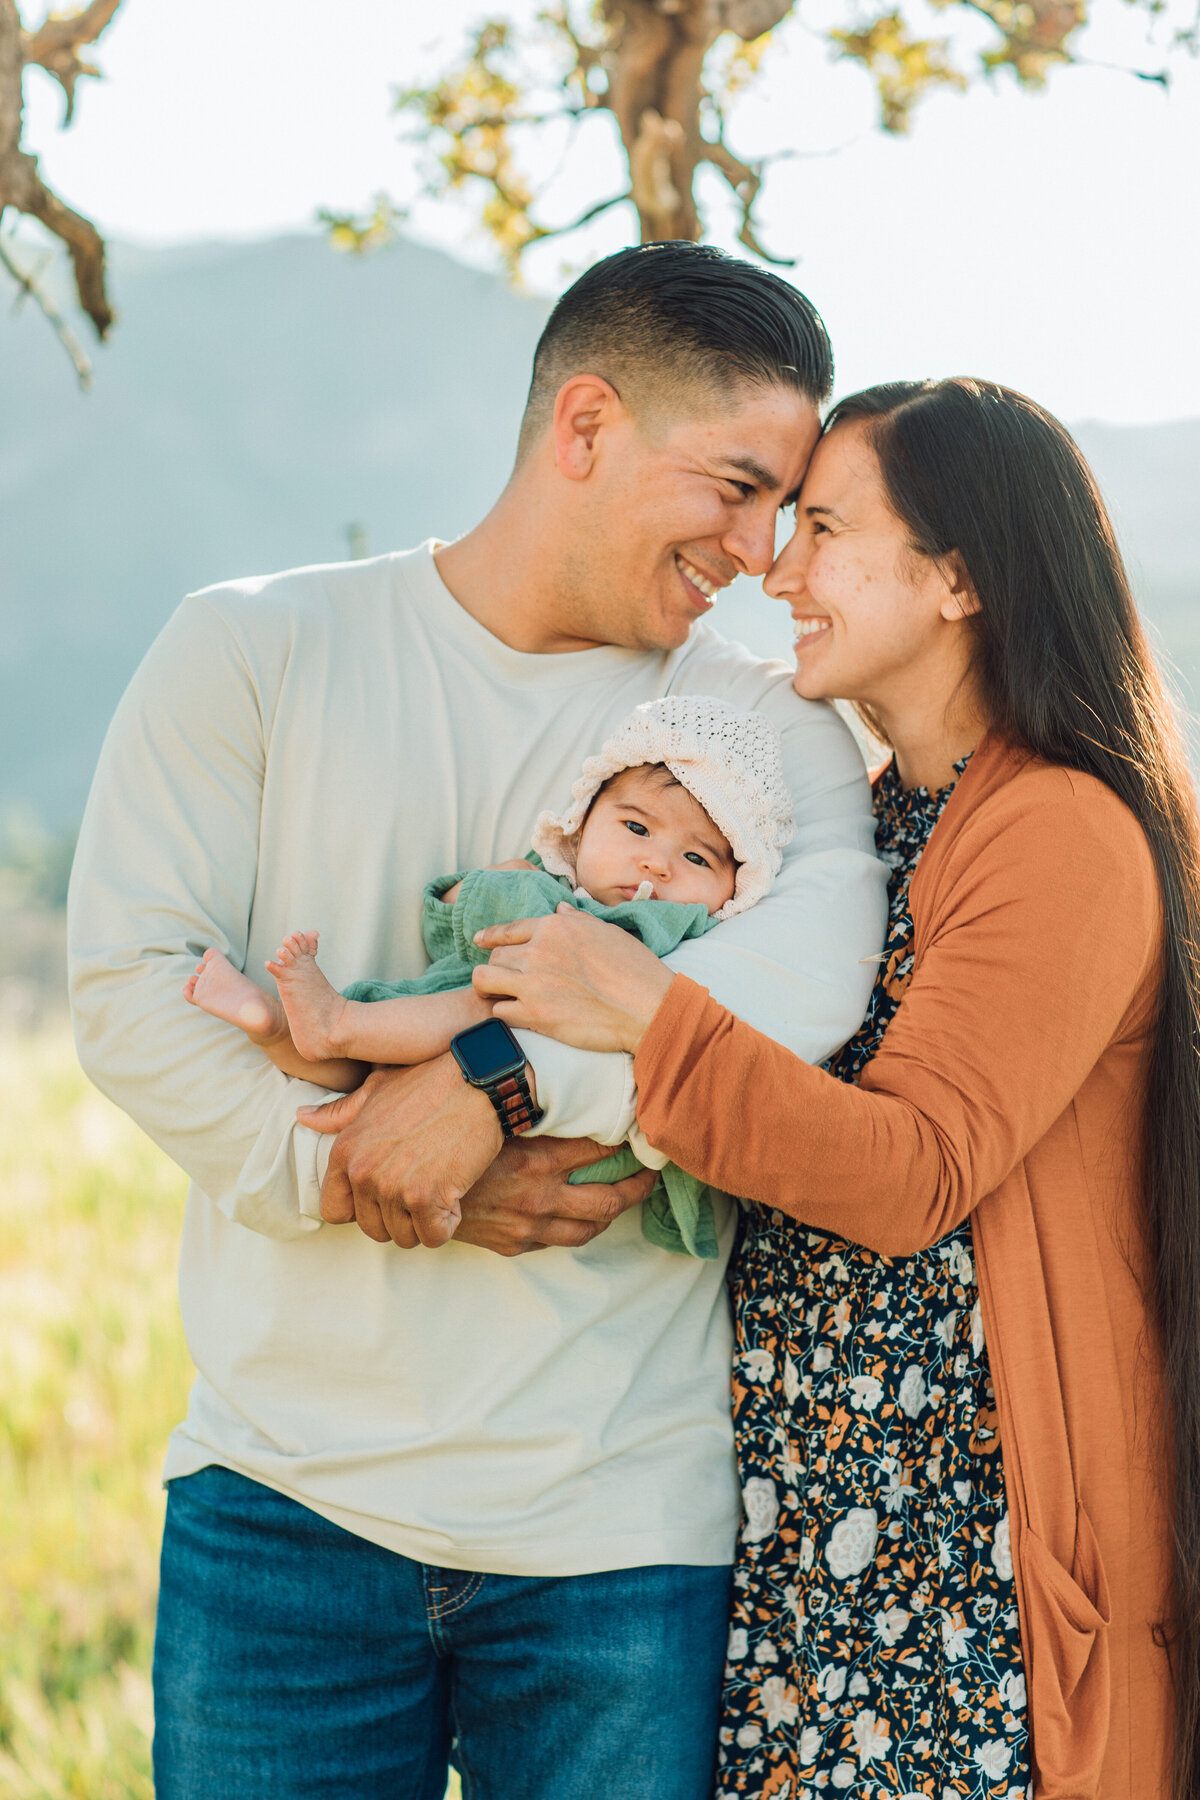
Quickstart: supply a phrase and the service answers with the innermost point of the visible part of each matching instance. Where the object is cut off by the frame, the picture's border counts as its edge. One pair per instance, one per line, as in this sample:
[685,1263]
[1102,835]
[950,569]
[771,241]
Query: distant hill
[259,399]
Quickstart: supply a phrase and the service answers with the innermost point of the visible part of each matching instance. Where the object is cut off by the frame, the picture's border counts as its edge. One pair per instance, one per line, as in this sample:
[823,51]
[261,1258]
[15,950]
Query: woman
[967,1301]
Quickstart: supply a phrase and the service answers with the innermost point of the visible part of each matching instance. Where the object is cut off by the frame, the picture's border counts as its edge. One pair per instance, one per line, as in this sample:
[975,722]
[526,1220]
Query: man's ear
[960,600]
[582,407]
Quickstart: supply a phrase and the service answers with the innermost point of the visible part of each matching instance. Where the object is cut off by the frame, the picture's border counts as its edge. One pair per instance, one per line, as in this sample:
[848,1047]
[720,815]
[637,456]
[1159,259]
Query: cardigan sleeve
[1044,940]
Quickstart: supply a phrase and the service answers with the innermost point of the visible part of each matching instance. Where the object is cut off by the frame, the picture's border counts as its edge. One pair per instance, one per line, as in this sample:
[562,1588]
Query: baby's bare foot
[220,989]
[313,1005]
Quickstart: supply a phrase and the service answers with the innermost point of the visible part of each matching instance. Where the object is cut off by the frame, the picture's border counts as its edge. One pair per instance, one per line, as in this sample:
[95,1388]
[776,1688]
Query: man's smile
[705,585]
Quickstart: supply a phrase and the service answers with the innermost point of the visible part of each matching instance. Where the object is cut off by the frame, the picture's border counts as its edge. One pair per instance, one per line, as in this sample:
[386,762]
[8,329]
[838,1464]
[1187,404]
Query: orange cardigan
[1008,1090]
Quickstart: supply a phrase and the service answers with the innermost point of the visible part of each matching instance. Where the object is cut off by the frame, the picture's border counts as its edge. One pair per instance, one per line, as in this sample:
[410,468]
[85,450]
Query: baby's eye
[694,856]
[637,828]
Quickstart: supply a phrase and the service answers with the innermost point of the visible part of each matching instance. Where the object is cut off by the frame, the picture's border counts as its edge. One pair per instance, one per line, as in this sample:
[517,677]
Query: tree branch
[21,186]
[80,236]
[745,179]
[30,288]
[585,218]
[55,46]
[750,19]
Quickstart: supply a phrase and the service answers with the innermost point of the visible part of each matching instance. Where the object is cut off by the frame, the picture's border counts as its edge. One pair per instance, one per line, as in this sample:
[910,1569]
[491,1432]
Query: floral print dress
[874,1649]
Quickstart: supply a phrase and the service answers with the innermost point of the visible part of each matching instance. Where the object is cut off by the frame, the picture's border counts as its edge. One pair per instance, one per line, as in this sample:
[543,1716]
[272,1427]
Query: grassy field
[93,1375]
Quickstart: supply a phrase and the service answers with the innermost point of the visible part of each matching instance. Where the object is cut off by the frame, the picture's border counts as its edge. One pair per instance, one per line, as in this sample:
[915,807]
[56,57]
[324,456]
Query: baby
[678,823]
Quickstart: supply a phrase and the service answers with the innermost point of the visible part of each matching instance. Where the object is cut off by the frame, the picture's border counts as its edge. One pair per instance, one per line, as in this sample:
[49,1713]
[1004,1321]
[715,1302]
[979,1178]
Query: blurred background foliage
[666,76]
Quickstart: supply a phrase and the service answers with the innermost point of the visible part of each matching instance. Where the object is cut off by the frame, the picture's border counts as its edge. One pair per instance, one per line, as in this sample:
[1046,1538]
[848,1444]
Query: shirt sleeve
[181,771]
[1043,957]
[799,965]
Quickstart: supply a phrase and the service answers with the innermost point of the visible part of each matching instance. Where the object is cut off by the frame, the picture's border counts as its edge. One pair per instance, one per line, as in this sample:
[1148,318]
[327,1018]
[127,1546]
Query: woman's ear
[960,600]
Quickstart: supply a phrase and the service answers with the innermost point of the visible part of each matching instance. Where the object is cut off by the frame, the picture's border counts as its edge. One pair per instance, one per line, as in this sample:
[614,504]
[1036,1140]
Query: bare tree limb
[30,288]
[753,18]
[84,243]
[745,179]
[55,45]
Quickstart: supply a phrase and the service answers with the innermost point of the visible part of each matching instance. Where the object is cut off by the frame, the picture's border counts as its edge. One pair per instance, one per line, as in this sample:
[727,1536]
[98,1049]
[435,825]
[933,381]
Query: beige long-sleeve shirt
[307,750]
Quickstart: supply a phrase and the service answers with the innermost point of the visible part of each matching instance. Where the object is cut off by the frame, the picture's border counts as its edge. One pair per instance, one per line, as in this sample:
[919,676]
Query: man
[444,1494]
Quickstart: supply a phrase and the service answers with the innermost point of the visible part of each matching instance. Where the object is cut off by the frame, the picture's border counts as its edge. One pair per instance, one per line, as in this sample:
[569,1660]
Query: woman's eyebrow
[812,511]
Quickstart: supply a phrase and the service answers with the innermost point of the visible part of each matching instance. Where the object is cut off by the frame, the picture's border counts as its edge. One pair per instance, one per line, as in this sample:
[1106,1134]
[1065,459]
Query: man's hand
[525,1202]
[410,1144]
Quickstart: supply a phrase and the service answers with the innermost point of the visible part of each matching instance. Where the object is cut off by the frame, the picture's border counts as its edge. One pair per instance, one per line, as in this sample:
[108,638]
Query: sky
[1049,240]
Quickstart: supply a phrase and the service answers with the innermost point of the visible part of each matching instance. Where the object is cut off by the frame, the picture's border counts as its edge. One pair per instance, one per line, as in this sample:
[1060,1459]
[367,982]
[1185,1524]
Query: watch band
[514,1104]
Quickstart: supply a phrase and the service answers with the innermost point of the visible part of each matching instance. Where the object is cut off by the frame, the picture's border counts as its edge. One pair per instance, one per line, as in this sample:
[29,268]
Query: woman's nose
[786,578]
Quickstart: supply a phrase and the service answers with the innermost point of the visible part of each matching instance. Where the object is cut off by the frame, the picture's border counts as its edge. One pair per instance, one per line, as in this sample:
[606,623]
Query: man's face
[669,515]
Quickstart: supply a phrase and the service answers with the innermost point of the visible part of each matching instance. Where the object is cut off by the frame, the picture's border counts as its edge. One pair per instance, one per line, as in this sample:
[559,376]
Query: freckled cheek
[835,582]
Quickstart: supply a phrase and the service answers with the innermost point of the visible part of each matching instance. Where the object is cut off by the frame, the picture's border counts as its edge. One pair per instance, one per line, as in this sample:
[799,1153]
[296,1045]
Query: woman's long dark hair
[1064,670]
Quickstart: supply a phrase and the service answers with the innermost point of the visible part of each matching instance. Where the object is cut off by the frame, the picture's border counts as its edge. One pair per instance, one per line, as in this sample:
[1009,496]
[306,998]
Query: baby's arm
[451,894]
[323,1023]
[220,989]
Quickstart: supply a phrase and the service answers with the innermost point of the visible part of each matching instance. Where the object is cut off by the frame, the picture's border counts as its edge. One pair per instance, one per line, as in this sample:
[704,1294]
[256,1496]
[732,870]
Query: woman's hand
[574,978]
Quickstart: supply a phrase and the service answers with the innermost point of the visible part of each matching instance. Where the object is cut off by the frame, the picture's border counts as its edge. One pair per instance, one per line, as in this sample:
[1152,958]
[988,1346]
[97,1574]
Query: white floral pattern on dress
[875,1561]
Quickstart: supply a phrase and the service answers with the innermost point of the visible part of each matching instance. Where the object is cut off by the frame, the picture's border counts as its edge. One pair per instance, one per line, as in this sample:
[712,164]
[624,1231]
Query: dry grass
[93,1376]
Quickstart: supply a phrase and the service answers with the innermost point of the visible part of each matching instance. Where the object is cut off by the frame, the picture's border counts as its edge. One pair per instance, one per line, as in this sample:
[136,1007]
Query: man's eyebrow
[750,465]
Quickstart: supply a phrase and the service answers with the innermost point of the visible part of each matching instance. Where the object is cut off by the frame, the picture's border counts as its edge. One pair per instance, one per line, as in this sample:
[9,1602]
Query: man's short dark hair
[668,322]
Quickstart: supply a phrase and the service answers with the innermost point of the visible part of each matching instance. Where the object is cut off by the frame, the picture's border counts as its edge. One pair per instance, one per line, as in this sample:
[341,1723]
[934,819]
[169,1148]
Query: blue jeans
[295,1660]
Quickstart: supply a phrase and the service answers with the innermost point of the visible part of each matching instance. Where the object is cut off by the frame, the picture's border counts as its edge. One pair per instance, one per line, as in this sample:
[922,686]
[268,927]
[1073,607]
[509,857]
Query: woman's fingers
[498,979]
[496,936]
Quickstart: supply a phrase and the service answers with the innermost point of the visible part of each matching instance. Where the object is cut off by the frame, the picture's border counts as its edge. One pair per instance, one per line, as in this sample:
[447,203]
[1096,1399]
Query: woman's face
[874,620]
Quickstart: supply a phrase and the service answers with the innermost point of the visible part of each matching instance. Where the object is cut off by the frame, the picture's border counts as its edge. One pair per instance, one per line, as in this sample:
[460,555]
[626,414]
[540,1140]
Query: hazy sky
[1048,241]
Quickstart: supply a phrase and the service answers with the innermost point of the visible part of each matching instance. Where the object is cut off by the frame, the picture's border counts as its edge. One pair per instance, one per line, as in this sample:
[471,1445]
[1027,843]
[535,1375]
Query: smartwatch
[491,1058]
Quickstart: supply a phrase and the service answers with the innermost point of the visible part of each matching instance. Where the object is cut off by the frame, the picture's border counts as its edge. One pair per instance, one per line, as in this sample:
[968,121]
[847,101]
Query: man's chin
[674,632]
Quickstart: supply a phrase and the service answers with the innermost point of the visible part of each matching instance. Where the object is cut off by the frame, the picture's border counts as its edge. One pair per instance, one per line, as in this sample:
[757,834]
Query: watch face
[488,1050]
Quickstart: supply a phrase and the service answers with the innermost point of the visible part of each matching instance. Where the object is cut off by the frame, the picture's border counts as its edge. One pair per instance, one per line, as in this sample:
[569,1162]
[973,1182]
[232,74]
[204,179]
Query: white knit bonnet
[729,761]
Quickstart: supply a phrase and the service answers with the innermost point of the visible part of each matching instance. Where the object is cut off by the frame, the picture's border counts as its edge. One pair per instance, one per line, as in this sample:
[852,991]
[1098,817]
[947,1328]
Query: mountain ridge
[261,398]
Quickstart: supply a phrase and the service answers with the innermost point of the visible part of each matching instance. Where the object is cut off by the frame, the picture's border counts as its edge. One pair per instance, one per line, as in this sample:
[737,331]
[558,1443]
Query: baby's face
[645,827]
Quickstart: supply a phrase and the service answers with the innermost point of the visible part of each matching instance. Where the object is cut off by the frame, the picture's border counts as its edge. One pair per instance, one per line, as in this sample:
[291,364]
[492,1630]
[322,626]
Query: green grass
[93,1375]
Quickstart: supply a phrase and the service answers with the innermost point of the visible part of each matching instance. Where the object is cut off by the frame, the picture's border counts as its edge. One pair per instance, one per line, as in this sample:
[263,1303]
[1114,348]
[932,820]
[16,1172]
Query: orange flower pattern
[874,1649]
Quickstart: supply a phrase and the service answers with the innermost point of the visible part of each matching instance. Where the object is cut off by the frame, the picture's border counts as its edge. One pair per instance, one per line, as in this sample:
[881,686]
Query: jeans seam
[439,1611]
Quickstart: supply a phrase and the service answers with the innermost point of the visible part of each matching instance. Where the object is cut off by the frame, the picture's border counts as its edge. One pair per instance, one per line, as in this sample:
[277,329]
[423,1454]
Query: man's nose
[751,542]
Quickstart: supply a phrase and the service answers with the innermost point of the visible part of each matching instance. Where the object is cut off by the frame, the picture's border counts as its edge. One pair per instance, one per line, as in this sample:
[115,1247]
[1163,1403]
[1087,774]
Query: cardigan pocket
[1067,1618]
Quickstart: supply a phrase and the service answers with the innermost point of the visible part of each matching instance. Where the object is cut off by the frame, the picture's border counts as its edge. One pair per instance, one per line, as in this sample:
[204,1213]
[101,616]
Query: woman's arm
[1044,953]
[1046,933]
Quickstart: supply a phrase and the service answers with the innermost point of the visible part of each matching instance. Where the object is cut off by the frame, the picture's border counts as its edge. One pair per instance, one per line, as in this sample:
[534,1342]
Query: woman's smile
[806,625]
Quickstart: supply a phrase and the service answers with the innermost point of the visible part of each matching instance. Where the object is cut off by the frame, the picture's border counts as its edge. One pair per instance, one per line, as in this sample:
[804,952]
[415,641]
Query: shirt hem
[549,1556]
